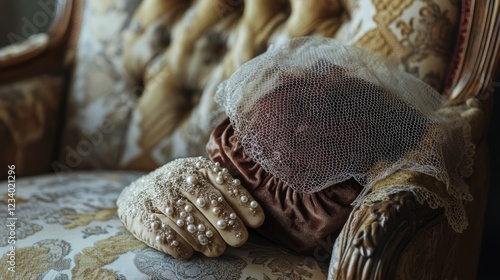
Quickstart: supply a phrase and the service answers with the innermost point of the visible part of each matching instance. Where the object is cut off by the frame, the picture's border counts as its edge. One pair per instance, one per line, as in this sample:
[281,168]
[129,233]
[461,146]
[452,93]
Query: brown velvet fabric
[304,222]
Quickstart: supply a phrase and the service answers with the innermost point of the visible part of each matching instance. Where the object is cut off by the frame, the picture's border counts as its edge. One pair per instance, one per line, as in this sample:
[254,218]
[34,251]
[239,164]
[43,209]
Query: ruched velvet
[307,223]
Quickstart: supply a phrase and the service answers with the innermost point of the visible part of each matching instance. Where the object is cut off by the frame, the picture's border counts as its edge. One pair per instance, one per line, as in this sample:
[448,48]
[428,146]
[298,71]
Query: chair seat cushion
[66,227]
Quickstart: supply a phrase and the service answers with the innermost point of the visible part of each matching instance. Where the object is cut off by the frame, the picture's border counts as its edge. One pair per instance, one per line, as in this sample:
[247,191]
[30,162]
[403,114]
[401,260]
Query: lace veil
[314,112]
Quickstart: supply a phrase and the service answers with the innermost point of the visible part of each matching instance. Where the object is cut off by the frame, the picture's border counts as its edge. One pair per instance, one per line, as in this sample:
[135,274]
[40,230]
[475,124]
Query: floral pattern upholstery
[67,225]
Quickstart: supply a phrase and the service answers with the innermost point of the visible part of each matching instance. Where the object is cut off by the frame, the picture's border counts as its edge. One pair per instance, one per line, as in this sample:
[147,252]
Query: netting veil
[314,112]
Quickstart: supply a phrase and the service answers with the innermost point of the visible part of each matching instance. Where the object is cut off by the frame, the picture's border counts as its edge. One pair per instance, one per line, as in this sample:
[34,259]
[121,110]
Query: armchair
[128,86]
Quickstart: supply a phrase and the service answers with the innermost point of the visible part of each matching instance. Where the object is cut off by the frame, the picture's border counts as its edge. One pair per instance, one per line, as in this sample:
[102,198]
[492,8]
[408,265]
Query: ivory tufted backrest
[146,72]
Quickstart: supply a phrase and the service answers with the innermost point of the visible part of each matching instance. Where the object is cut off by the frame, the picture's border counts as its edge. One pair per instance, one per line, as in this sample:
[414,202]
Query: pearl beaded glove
[187,205]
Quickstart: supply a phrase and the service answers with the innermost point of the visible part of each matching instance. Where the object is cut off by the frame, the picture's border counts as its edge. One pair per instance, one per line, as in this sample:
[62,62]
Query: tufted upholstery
[140,93]
[146,97]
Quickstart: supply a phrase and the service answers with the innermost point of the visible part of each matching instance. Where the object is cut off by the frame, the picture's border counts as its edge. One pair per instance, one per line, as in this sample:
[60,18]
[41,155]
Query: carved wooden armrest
[401,238]
[377,235]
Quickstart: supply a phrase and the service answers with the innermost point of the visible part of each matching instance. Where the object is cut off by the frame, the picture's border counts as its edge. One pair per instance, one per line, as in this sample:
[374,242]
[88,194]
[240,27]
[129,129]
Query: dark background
[488,266]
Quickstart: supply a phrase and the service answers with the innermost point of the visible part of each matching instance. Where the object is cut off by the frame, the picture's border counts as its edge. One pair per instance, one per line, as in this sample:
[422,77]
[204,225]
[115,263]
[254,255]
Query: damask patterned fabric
[29,120]
[146,71]
[66,224]
[101,96]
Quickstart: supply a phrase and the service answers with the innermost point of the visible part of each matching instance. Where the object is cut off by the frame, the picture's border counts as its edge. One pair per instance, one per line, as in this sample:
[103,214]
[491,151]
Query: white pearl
[209,233]
[188,208]
[244,199]
[236,182]
[183,214]
[190,219]
[152,216]
[163,226]
[235,191]
[202,239]
[200,202]
[213,202]
[175,243]
[216,210]
[180,202]
[133,211]
[221,224]
[232,216]
[158,238]
[198,165]
[215,170]
[201,227]
[154,225]
[169,211]
[217,164]
[253,204]
[191,228]
[220,199]
[219,180]
[192,180]
[180,223]
[230,222]
[224,170]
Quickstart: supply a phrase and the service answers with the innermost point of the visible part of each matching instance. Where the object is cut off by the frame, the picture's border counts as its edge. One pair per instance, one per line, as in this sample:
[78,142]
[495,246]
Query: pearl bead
[180,202]
[154,225]
[224,170]
[191,228]
[188,208]
[220,199]
[169,211]
[198,165]
[216,210]
[200,202]
[209,233]
[235,191]
[202,239]
[158,238]
[180,223]
[244,199]
[133,211]
[232,216]
[236,182]
[183,214]
[230,222]
[221,224]
[163,226]
[192,180]
[213,202]
[152,216]
[201,227]
[219,180]
[217,164]
[253,204]
[169,174]
[190,219]
[215,170]
[175,243]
